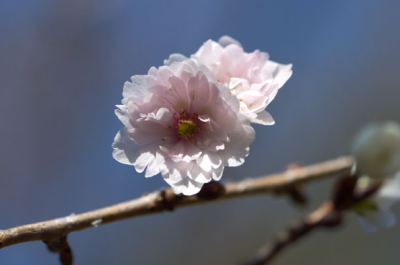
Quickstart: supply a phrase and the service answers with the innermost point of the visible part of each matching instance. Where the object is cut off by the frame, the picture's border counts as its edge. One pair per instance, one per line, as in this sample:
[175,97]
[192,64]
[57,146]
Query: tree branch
[62,247]
[294,232]
[165,200]
[328,215]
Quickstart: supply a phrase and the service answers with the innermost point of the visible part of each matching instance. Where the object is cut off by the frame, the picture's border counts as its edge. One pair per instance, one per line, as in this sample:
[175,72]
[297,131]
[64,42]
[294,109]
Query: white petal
[236,150]
[205,118]
[238,85]
[199,175]
[151,128]
[281,72]
[215,159]
[209,53]
[187,187]
[177,151]
[152,169]
[163,75]
[162,117]
[199,93]
[143,137]
[152,72]
[184,151]
[192,151]
[178,94]
[217,173]
[172,171]
[263,118]
[137,88]
[125,150]
[226,40]
[204,162]
[122,115]
[144,159]
[235,158]
[216,146]
[175,57]
[209,160]
[255,100]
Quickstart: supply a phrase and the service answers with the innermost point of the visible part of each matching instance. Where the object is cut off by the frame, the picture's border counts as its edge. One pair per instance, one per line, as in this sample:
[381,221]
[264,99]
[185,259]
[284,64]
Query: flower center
[186,127]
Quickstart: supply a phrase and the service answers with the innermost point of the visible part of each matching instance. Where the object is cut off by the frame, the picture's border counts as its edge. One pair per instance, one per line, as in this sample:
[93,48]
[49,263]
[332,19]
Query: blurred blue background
[62,68]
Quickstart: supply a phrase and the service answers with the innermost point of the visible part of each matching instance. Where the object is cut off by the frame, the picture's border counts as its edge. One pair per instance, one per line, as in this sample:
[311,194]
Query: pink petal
[263,118]
[137,88]
[187,187]
[227,40]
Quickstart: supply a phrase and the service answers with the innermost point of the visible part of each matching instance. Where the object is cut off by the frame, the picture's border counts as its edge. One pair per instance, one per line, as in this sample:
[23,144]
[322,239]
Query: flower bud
[377,150]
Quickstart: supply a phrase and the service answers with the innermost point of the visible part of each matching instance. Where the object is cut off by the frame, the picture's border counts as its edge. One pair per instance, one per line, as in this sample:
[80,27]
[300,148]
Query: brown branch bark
[328,215]
[62,247]
[165,200]
[323,216]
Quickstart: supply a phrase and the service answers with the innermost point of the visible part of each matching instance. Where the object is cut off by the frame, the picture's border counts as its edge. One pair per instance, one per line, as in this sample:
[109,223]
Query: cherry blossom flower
[183,124]
[252,77]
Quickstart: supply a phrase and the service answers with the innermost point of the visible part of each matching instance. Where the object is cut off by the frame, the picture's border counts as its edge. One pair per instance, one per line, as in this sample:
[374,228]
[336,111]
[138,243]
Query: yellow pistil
[186,127]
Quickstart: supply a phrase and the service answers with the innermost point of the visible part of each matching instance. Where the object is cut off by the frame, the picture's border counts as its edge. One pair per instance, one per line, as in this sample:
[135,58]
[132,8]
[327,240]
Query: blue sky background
[62,68]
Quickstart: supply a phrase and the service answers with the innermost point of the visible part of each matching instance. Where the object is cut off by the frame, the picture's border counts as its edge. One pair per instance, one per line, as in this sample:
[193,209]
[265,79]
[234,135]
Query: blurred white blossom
[377,153]
[377,150]
[180,122]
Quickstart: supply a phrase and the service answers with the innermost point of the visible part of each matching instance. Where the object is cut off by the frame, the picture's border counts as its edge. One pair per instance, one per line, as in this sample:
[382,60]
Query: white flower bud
[377,150]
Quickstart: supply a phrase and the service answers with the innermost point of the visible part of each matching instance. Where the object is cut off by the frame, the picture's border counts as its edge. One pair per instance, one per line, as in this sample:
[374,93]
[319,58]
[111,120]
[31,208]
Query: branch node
[62,247]
[164,202]
[211,191]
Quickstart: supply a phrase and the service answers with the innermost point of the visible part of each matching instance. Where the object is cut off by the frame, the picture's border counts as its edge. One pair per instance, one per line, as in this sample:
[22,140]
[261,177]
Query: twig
[329,214]
[166,200]
[62,247]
